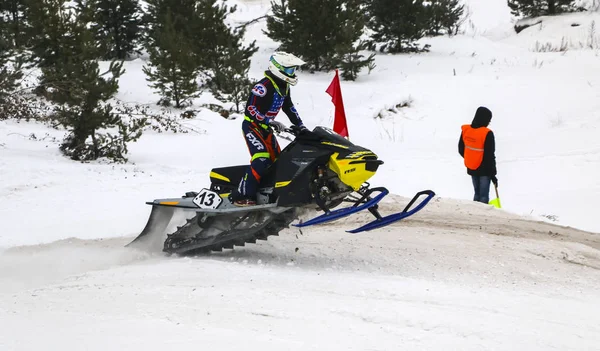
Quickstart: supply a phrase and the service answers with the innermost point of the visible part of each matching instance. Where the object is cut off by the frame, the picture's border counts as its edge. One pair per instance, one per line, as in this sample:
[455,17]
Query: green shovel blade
[495,202]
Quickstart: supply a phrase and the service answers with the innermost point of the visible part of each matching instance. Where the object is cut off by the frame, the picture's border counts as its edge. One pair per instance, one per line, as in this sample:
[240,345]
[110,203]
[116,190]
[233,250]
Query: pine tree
[397,24]
[173,41]
[535,8]
[81,92]
[16,102]
[229,69]
[185,19]
[49,19]
[174,64]
[13,23]
[352,63]
[191,45]
[117,27]
[230,82]
[445,16]
[10,71]
[211,33]
[324,33]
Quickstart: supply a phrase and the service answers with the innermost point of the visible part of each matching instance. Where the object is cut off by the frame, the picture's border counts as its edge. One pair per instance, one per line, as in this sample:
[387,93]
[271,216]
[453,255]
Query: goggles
[289,70]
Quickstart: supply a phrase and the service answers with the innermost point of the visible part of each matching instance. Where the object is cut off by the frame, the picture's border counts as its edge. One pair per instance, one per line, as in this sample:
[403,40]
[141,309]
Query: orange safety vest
[474,139]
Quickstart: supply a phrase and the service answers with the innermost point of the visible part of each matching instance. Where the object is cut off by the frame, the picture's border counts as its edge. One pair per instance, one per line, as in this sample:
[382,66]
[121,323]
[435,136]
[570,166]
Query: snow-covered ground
[458,275]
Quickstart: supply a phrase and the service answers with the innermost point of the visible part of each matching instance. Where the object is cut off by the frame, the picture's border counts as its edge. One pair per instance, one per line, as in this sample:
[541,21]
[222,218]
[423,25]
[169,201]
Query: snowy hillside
[457,275]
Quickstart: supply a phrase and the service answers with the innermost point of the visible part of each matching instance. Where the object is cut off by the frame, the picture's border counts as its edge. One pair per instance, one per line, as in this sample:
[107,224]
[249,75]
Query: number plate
[207,199]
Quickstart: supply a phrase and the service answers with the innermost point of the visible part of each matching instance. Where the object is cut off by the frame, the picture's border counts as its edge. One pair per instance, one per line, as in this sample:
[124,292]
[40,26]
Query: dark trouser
[264,149]
[481,185]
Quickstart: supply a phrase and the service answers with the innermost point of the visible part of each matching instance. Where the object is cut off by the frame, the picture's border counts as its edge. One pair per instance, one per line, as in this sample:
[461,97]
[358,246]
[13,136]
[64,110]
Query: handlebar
[294,130]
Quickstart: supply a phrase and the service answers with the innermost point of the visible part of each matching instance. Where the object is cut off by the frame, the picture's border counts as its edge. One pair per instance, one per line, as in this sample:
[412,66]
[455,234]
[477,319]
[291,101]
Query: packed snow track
[458,275]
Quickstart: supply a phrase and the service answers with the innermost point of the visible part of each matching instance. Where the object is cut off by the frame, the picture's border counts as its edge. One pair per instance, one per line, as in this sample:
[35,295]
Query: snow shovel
[496,202]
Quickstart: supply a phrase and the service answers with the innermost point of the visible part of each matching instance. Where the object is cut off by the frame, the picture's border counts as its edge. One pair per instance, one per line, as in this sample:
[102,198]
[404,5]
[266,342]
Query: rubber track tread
[270,228]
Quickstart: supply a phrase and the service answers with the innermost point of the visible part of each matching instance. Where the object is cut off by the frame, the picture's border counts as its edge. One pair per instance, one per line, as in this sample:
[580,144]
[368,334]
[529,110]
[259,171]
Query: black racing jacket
[267,98]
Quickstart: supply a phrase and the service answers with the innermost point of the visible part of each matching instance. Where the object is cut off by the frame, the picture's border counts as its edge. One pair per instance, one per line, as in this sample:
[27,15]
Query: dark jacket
[267,98]
[482,118]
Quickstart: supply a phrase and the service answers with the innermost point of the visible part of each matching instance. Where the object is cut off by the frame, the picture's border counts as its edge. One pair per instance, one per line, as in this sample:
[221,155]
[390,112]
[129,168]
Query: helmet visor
[289,70]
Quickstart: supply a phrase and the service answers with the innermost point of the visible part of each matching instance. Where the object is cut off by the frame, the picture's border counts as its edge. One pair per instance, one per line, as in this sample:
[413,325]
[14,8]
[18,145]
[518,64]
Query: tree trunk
[95,144]
[119,55]
[77,143]
[551,7]
[16,24]
[176,93]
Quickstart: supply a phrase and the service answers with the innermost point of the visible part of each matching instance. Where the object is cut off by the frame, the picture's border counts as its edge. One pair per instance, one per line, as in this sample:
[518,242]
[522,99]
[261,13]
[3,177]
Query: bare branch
[245,24]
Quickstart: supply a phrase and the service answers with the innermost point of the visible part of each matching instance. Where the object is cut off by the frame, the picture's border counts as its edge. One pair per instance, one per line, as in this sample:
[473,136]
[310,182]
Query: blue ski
[343,212]
[387,220]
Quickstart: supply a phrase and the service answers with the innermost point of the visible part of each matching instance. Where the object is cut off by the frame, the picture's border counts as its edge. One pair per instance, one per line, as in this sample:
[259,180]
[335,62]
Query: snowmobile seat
[228,177]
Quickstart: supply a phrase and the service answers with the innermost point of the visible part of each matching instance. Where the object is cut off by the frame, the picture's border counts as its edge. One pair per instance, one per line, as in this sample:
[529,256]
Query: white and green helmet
[284,65]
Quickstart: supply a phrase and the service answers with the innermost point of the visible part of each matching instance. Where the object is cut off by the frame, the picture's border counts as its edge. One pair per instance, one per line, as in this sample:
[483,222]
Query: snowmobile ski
[329,216]
[385,221]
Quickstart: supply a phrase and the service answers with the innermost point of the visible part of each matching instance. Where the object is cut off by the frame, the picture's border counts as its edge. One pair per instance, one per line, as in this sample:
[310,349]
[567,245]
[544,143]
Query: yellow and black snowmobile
[318,169]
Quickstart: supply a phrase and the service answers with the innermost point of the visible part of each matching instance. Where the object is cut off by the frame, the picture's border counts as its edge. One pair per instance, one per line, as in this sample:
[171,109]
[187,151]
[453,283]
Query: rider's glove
[297,130]
[278,127]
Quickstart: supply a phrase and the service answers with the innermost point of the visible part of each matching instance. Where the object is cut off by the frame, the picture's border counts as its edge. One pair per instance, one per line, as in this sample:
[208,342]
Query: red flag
[339,123]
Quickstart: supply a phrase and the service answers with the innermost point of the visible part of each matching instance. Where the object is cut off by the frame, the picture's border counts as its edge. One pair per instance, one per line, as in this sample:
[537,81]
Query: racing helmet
[283,65]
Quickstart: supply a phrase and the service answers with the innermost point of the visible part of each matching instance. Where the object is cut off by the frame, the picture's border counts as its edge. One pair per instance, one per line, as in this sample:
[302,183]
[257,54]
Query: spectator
[477,146]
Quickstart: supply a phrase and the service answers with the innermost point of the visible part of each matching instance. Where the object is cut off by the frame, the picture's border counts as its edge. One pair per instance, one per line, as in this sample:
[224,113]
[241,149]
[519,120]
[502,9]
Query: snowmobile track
[189,245]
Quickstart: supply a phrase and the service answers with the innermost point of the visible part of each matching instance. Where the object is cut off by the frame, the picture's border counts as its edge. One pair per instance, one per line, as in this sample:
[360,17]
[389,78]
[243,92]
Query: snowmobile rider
[477,146]
[267,98]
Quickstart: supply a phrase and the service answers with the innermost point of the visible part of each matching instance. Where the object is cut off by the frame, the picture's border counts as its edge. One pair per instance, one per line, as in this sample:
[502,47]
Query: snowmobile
[317,170]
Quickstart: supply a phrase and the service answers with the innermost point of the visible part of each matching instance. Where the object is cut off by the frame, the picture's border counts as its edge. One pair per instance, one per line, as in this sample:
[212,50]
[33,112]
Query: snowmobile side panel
[387,220]
[228,177]
[343,212]
[352,168]
[226,208]
[235,209]
[293,173]
[184,203]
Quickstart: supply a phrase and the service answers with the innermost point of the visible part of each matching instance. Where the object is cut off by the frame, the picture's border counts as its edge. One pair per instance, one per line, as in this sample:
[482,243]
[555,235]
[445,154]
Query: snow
[432,283]
[457,275]
[328,310]
[568,32]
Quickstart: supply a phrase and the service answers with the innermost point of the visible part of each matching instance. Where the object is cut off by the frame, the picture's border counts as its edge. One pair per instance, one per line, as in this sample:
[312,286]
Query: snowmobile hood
[482,118]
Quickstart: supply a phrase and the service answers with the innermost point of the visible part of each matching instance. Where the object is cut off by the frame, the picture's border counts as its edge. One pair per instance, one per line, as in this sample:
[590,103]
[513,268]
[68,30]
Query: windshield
[327,134]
